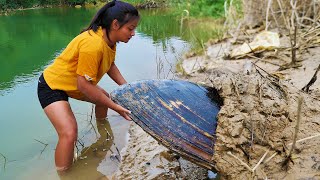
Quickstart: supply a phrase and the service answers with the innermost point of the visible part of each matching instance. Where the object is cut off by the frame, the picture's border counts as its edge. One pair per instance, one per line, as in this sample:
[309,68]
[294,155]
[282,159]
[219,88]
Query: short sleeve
[88,64]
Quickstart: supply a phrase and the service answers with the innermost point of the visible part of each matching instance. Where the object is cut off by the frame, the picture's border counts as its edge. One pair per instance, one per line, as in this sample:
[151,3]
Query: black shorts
[47,96]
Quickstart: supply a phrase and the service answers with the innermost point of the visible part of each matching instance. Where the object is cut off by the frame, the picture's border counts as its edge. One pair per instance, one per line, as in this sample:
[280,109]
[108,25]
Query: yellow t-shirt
[86,55]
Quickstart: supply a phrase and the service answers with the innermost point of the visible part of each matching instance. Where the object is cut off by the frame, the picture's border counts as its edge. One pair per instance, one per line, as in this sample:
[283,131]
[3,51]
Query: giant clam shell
[179,114]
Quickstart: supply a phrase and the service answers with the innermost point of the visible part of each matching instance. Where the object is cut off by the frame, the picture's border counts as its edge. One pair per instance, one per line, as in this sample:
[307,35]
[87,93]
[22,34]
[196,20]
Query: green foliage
[201,8]
[145,1]
[15,4]
[3,4]
[49,2]
[74,2]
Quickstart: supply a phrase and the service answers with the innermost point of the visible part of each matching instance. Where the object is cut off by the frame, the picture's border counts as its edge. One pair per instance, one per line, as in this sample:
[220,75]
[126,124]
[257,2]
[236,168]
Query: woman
[77,70]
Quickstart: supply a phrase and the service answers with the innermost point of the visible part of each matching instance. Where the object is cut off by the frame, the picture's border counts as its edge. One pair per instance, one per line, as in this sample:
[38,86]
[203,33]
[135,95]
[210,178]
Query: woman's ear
[115,25]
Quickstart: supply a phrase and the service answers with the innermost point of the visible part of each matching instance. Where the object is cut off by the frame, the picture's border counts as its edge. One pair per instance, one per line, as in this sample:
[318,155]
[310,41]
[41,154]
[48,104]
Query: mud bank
[256,129]
[258,122]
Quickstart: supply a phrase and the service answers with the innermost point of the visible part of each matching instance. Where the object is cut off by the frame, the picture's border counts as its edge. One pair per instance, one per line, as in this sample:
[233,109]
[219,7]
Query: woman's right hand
[123,112]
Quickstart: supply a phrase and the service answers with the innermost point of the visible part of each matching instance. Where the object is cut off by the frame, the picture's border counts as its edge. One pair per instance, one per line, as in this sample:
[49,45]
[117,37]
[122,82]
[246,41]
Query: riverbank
[261,120]
[262,133]
[10,7]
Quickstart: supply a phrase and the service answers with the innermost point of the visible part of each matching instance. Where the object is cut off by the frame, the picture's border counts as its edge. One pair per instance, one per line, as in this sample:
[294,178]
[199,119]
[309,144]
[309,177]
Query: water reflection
[85,167]
[29,38]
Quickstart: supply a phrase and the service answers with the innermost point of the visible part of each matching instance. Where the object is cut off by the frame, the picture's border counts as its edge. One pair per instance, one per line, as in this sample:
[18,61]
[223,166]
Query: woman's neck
[107,40]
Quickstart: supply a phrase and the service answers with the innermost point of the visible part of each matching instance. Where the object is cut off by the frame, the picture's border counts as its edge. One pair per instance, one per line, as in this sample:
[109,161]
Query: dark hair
[121,11]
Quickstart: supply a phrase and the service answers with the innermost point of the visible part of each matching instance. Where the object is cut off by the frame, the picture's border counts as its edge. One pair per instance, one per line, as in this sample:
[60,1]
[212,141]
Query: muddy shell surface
[179,114]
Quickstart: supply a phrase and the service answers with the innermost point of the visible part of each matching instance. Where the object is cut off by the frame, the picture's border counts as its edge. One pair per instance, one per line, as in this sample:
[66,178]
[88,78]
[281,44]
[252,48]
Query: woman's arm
[96,96]
[115,75]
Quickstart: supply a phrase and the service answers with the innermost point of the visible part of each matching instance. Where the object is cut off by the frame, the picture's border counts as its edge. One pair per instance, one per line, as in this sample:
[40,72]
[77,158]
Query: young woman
[77,70]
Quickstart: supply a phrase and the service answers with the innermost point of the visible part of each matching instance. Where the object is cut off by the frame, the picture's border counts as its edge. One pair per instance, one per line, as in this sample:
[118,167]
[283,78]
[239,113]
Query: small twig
[288,158]
[252,131]
[261,59]
[273,76]
[307,138]
[267,15]
[94,129]
[45,146]
[314,11]
[91,115]
[260,91]
[114,156]
[235,88]
[75,155]
[43,149]
[256,166]
[267,160]
[109,135]
[236,34]
[117,150]
[294,14]
[300,100]
[312,81]
[274,17]
[5,161]
[41,142]
[241,162]
[293,46]
[81,143]
[282,14]
[301,140]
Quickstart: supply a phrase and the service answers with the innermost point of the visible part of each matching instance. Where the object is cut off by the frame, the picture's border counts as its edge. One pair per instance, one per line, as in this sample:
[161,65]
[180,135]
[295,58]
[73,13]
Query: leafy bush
[3,4]
[75,2]
[202,8]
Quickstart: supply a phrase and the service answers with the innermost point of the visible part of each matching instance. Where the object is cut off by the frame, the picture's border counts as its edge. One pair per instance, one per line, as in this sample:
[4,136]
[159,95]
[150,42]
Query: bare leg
[62,118]
[101,112]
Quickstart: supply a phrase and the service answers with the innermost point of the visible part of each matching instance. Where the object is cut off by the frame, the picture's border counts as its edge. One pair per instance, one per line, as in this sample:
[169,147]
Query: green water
[29,40]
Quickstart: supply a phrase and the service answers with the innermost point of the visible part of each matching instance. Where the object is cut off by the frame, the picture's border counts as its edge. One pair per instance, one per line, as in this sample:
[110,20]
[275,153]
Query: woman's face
[125,33]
